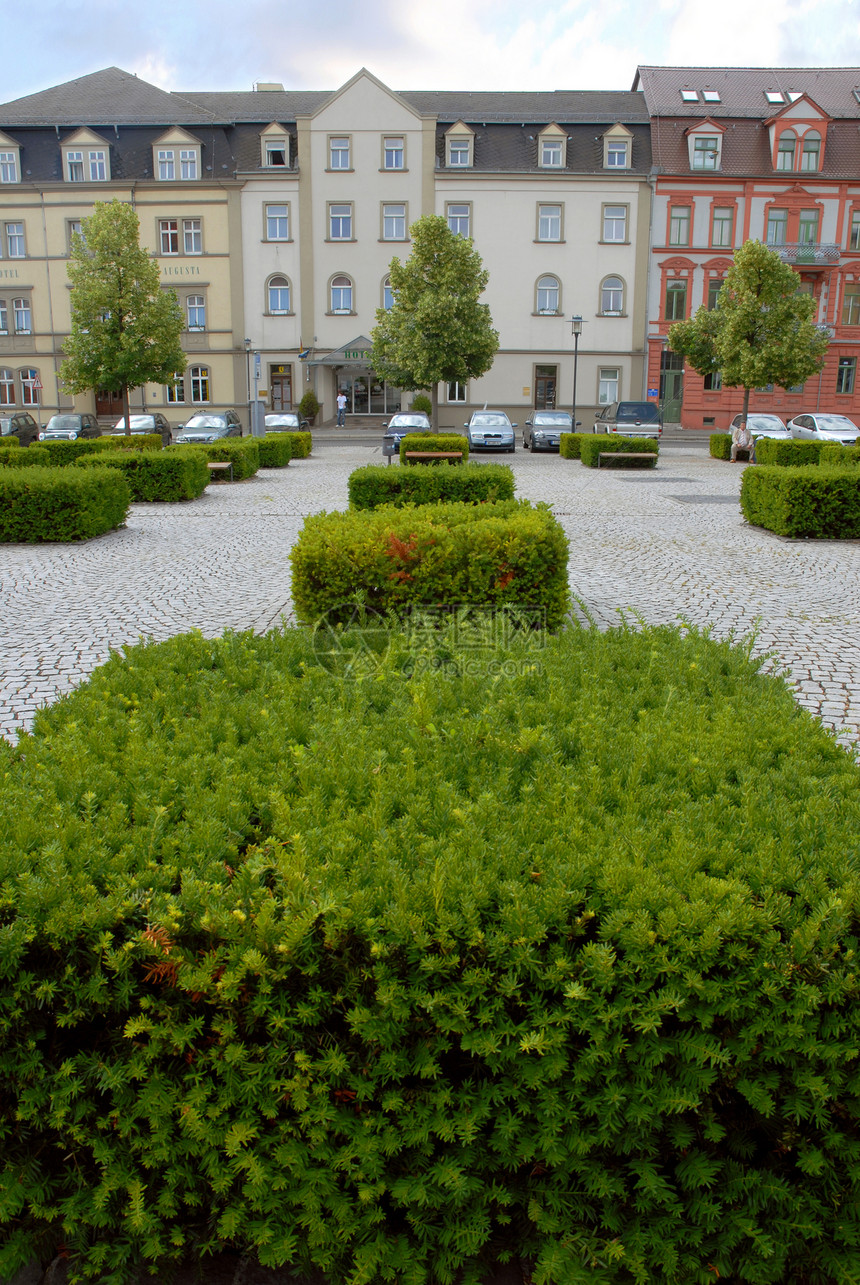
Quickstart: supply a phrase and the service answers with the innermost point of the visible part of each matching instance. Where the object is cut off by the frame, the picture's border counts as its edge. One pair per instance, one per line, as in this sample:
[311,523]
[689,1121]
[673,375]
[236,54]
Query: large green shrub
[45,504]
[786,452]
[276,450]
[445,555]
[66,452]
[375,485]
[434,442]
[158,476]
[569,445]
[720,446]
[131,442]
[811,501]
[32,457]
[302,444]
[593,445]
[422,403]
[834,453]
[242,452]
[546,955]
[309,406]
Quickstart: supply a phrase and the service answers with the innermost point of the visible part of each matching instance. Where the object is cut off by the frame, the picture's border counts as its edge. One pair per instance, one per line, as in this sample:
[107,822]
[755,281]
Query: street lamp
[248,378]
[576,327]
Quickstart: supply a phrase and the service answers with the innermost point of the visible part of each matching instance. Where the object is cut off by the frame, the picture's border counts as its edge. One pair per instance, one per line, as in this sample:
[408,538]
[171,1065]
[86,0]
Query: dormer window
[86,158]
[706,153]
[617,148]
[276,152]
[810,155]
[10,160]
[176,157]
[274,147]
[785,150]
[552,148]
[459,146]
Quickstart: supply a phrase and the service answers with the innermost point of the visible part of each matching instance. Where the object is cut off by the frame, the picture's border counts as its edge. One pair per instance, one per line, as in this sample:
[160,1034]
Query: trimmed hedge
[157,476]
[810,501]
[442,555]
[131,442]
[302,444]
[595,444]
[32,457]
[434,442]
[720,446]
[45,504]
[835,454]
[63,453]
[376,484]
[781,452]
[392,978]
[242,452]
[276,450]
[569,445]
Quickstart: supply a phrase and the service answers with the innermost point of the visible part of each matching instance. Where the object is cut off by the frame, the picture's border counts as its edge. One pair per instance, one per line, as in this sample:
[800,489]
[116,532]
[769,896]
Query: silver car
[543,429]
[288,421]
[824,428]
[762,426]
[491,430]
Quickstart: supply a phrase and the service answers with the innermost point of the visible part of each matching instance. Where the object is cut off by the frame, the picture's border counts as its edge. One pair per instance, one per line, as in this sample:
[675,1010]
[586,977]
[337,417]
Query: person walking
[341,409]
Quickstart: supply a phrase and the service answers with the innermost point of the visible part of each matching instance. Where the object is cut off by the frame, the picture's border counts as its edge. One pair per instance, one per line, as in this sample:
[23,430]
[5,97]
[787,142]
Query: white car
[824,428]
[762,426]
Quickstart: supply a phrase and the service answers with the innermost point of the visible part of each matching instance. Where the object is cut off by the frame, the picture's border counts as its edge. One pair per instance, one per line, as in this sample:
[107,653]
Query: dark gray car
[20,425]
[543,429]
[210,427]
[630,419]
[148,422]
[69,427]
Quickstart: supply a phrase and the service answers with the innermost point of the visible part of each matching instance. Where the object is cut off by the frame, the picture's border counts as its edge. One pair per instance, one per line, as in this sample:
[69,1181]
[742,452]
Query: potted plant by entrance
[309,406]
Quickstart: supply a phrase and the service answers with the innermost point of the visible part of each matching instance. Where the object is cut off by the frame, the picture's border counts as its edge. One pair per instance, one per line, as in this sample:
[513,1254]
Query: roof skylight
[690,95]
[711,95]
[794,94]
[774,95]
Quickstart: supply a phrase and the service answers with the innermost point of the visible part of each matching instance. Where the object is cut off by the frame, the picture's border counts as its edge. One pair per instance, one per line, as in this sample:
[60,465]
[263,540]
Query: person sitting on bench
[742,440]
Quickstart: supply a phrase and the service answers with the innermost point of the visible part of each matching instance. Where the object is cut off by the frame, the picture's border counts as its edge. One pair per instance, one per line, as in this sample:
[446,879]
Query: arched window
[387,294]
[341,294]
[548,292]
[811,153]
[30,386]
[612,297]
[279,295]
[7,387]
[785,150]
[199,377]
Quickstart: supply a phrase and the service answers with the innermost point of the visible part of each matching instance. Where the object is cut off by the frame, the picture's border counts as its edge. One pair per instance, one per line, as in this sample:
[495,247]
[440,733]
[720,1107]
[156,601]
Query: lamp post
[248,378]
[576,327]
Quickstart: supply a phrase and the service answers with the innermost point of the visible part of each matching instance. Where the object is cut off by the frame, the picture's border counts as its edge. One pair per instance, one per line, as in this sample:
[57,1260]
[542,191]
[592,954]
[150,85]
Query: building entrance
[282,390]
[108,403]
[367,395]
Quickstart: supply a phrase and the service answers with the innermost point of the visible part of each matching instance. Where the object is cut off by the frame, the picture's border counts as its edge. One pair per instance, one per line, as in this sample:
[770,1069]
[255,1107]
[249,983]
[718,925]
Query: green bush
[784,452]
[835,454]
[810,501]
[570,444]
[422,404]
[242,452]
[593,445]
[376,484]
[720,445]
[131,442]
[434,442]
[64,453]
[157,476]
[309,406]
[32,457]
[394,977]
[276,450]
[302,444]
[44,504]
[446,555]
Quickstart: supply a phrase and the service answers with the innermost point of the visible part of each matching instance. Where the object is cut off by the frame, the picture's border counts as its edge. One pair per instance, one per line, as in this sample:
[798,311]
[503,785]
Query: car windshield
[836,424]
[409,421]
[552,417]
[273,420]
[5,425]
[644,411]
[205,421]
[764,421]
[64,421]
[136,421]
[496,419]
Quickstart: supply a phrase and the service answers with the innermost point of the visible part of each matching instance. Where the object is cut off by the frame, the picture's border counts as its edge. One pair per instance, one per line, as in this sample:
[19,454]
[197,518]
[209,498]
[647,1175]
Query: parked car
[543,428]
[762,426]
[288,421]
[68,428]
[211,426]
[153,422]
[631,419]
[20,425]
[824,428]
[491,430]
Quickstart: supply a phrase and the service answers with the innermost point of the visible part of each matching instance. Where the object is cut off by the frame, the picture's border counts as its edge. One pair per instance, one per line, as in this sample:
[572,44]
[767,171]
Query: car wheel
[532,446]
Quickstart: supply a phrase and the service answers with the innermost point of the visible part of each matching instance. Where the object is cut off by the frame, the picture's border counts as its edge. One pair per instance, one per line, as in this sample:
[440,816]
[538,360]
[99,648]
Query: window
[338,152]
[785,150]
[23,316]
[854,242]
[168,232]
[715,285]
[199,376]
[774,96]
[15,241]
[777,226]
[612,297]
[456,391]
[459,150]
[690,95]
[811,150]
[340,222]
[394,222]
[706,153]
[98,167]
[75,166]
[713,382]
[192,236]
[387,294]
[392,154]
[4,318]
[175,392]
[615,223]
[166,165]
[722,226]
[279,295]
[549,223]
[8,167]
[277,223]
[551,153]
[195,310]
[679,225]
[30,388]
[276,152]
[548,295]
[676,300]
[711,95]
[188,163]
[341,294]
[607,386]
[7,387]
[616,154]
[807,227]
[851,306]
[74,227]
[460,219]
[845,374]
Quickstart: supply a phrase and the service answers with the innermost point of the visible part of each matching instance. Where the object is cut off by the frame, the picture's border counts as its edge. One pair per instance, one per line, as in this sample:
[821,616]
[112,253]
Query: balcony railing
[807,252]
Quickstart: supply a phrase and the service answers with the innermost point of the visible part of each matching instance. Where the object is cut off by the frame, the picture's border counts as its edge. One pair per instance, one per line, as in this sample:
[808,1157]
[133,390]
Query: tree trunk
[745,410]
[434,414]
[125,410]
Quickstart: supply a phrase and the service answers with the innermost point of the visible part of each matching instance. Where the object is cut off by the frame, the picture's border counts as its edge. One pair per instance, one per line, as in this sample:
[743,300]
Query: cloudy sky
[422,44]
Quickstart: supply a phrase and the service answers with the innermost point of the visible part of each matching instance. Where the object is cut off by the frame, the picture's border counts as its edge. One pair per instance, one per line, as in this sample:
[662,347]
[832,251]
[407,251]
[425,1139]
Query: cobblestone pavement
[663,544]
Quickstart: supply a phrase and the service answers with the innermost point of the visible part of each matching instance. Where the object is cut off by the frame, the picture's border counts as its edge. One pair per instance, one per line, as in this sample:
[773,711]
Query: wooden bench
[219,466]
[626,455]
[429,457]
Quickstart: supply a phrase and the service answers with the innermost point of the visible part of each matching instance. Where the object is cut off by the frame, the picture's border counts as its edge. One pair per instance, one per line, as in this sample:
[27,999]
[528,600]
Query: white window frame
[7,386]
[394,152]
[680,223]
[98,163]
[339,152]
[174,394]
[547,291]
[9,167]
[614,219]
[195,305]
[74,167]
[456,393]
[550,219]
[168,235]
[189,164]
[345,293]
[387,294]
[201,385]
[344,217]
[279,282]
[612,294]
[458,213]
[705,152]
[29,392]
[22,310]
[274,220]
[458,151]
[726,225]
[276,145]
[192,236]
[16,246]
[608,385]
[776,219]
[166,165]
[617,148]
[4,317]
[551,152]
[393,223]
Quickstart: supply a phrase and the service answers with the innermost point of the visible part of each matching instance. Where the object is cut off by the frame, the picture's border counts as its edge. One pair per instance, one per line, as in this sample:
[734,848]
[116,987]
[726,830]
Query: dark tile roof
[564,106]
[257,106]
[502,147]
[742,89]
[130,152]
[746,151]
[109,97]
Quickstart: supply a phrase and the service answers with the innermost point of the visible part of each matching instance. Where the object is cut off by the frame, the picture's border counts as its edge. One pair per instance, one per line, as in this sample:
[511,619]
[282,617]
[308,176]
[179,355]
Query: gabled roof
[742,89]
[109,97]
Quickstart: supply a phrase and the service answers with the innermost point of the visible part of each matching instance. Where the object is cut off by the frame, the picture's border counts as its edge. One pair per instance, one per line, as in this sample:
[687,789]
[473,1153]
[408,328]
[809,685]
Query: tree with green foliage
[437,330]
[125,327]
[762,330]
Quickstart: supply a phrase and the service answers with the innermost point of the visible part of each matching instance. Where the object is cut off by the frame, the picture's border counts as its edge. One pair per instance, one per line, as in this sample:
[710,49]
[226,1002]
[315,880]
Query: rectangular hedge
[276,450]
[835,454]
[64,453]
[32,457]
[130,442]
[594,445]
[442,555]
[434,442]
[376,484]
[813,501]
[776,451]
[44,504]
[720,446]
[242,452]
[569,445]
[302,444]
[156,476]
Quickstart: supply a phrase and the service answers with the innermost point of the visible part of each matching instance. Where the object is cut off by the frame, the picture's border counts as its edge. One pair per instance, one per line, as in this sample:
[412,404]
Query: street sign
[653,392]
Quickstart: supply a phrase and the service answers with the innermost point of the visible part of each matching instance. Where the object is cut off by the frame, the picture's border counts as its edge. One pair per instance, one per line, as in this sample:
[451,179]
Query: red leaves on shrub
[405,551]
